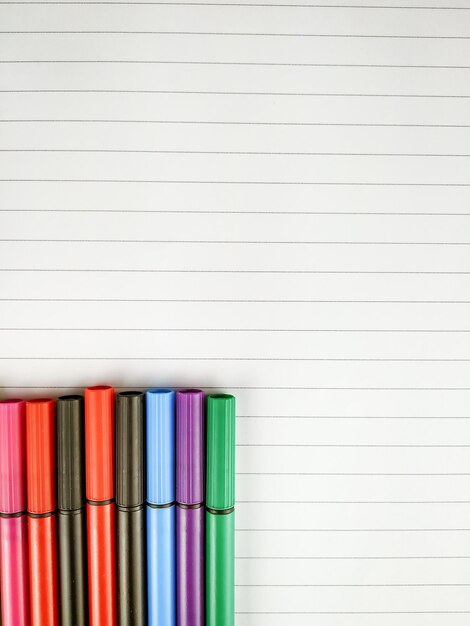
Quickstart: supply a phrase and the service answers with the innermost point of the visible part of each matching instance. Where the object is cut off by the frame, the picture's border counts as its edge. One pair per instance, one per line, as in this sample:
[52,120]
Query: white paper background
[270,200]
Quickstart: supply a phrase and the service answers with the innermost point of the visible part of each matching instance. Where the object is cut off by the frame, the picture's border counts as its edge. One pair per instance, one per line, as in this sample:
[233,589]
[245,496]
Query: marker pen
[41,488]
[161,507]
[220,514]
[190,552]
[14,562]
[72,517]
[130,501]
[99,459]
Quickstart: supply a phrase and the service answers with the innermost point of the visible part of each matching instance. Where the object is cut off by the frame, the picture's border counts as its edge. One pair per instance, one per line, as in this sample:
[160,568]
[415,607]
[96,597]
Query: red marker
[99,454]
[41,490]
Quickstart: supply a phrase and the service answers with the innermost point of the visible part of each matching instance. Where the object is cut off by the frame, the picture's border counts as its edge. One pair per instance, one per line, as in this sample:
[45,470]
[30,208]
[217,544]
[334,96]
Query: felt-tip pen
[42,502]
[99,456]
[161,507]
[190,552]
[130,509]
[14,568]
[72,514]
[220,510]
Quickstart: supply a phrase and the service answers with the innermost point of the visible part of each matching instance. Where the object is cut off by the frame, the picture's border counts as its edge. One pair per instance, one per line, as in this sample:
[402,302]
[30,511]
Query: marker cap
[40,455]
[160,446]
[70,453]
[220,452]
[130,411]
[12,456]
[190,446]
[99,442]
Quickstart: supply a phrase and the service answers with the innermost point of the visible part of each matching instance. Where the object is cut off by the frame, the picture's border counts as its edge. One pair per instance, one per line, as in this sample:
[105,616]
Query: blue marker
[161,507]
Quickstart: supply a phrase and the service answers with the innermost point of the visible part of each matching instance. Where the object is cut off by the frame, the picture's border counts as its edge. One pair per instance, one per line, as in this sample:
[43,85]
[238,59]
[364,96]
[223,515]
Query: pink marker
[13,523]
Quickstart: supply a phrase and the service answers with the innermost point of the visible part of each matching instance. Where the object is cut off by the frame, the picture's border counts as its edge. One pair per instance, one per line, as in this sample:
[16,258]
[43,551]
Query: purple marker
[190,551]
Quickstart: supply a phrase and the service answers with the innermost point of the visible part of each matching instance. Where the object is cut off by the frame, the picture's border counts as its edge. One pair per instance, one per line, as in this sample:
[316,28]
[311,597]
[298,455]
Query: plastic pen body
[99,457]
[220,529]
[72,514]
[190,552]
[42,518]
[14,561]
[130,505]
[190,558]
[220,514]
[101,563]
[160,421]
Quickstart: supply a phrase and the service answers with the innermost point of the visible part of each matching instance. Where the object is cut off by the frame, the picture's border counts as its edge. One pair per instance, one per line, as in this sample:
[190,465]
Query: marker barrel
[161,565]
[41,489]
[14,560]
[99,456]
[220,516]
[101,563]
[14,564]
[43,581]
[190,558]
[73,568]
[132,576]
[220,569]
[190,553]
[71,518]
[160,422]
[130,494]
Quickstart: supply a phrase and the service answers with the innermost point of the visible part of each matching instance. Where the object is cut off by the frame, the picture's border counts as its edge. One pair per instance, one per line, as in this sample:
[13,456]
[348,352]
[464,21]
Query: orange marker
[41,503]
[99,454]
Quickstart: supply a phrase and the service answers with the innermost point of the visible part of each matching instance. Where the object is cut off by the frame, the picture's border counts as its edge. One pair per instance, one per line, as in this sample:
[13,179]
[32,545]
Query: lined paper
[270,199]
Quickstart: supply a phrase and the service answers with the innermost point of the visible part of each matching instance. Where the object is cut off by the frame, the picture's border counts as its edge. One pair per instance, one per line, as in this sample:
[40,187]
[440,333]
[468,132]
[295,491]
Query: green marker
[220,511]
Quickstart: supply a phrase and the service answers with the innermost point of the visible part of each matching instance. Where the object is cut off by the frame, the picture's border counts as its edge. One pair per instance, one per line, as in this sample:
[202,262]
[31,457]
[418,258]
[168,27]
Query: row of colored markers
[118,509]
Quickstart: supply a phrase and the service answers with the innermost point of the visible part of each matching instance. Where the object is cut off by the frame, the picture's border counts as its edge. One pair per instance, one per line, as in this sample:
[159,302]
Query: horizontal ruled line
[235,212]
[230,359]
[227,182]
[185,33]
[237,93]
[246,4]
[367,502]
[233,301]
[346,558]
[292,242]
[229,123]
[199,271]
[386,417]
[352,445]
[227,330]
[448,612]
[343,585]
[226,63]
[368,474]
[232,152]
[353,530]
[241,387]
[246,388]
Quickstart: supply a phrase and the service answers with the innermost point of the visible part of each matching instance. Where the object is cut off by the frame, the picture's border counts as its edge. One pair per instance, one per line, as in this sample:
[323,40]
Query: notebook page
[270,200]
